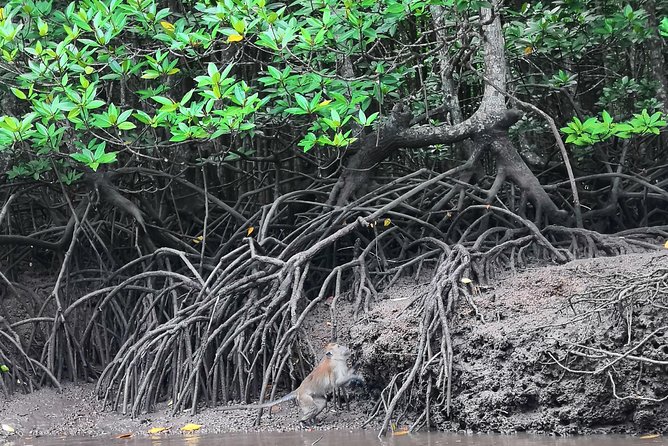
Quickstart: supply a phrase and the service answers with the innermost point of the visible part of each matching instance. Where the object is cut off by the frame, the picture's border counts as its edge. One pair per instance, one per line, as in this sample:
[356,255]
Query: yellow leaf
[190,427]
[198,239]
[649,436]
[125,435]
[7,428]
[325,102]
[401,432]
[387,222]
[665,245]
[466,280]
[168,26]
[235,38]
[157,430]
[2,13]
[249,231]
[528,50]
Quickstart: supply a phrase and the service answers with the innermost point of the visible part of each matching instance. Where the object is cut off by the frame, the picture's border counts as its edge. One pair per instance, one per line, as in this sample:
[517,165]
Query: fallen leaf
[665,245]
[4,368]
[197,240]
[8,428]
[466,280]
[249,231]
[387,222]
[235,38]
[401,432]
[125,435]
[190,427]
[157,430]
[649,436]
[528,50]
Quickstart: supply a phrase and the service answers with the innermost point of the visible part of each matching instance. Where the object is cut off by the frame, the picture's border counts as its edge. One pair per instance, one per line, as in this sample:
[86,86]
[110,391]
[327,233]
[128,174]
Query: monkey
[329,375]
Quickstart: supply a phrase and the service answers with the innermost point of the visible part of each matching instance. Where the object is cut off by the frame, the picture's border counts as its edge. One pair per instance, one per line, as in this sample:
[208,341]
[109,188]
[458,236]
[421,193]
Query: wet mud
[506,379]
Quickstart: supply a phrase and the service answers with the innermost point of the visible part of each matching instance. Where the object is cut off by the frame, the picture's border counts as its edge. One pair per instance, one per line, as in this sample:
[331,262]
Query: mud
[77,412]
[337,438]
[504,378]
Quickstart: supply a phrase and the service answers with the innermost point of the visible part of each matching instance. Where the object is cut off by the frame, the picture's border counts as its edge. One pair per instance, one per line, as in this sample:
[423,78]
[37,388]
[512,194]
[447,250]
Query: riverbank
[541,354]
[76,411]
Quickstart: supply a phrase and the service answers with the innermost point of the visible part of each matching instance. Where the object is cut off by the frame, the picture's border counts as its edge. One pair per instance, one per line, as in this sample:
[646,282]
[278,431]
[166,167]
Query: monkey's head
[337,351]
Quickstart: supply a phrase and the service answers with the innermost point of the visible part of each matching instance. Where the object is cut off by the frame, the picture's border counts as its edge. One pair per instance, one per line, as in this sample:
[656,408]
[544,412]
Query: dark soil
[505,379]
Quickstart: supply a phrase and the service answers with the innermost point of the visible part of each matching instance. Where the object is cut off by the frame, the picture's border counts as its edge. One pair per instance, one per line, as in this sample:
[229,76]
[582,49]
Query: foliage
[130,78]
[663,27]
[134,79]
[594,130]
[560,50]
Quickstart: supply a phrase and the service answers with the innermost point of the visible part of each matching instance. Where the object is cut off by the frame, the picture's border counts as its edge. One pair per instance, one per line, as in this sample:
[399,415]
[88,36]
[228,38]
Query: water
[341,438]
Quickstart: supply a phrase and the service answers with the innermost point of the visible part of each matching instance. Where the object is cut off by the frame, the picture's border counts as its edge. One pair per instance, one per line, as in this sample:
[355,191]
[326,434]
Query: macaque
[329,375]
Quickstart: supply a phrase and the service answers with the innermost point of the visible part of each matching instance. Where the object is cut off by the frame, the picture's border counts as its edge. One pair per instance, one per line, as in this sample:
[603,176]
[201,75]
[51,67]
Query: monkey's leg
[311,408]
[320,403]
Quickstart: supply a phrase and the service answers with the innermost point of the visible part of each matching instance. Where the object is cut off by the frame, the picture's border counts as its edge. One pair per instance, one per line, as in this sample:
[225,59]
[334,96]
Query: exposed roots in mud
[638,348]
[199,326]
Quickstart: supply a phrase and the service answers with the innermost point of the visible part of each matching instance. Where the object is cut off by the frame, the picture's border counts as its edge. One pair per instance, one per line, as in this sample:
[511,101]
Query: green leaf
[273,72]
[107,158]
[127,125]
[19,94]
[301,100]
[162,100]
[94,104]
[663,27]
[4,368]
[81,157]
[150,74]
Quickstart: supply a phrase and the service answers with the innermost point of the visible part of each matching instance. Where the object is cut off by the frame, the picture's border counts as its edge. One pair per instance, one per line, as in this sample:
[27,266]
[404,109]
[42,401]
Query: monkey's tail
[290,396]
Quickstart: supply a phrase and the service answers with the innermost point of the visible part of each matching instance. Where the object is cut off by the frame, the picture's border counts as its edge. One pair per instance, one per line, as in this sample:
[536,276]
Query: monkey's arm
[347,379]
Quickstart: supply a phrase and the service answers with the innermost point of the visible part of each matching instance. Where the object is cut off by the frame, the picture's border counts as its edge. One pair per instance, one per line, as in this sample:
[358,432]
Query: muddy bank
[554,342]
[540,361]
[77,412]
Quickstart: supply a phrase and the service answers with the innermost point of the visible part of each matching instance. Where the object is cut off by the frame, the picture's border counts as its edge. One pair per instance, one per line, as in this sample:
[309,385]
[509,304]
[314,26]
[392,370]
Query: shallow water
[342,438]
